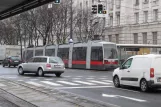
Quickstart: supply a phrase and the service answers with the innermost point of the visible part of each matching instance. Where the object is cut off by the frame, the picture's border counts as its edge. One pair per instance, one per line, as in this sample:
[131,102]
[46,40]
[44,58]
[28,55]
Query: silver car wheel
[144,86]
[20,71]
[40,72]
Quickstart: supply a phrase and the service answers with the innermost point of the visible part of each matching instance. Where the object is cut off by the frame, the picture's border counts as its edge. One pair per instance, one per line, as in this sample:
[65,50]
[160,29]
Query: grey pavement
[83,85]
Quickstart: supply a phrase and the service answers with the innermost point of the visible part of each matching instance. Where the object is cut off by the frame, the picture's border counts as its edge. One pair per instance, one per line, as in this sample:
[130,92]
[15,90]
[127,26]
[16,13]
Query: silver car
[42,65]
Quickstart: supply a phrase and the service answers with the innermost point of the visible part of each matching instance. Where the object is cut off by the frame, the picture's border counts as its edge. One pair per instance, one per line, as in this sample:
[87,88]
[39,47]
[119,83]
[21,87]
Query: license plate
[159,80]
[15,61]
[57,66]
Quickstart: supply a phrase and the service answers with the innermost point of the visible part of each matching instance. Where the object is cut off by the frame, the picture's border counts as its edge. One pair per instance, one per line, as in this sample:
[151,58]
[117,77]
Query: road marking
[19,80]
[84,87]
[129,98]
[48,79]
[90,78]
[2,85]
[34,83]
[51,83]
[86,83]
[11,77]
[76,78]
[68,83]
[33,79]
[99,82]
[108,81]
[67,76]
[79,76]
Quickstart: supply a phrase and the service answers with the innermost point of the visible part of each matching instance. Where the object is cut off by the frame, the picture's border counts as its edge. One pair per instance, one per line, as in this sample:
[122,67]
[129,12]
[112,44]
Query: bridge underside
[10,8]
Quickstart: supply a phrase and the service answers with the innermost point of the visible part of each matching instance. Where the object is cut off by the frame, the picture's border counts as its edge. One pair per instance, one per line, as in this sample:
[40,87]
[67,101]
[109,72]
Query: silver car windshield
[55,60]
[110,51]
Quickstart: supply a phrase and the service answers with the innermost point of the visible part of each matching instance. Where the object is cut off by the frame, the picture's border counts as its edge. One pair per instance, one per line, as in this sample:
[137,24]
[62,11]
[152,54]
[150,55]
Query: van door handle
[128,71]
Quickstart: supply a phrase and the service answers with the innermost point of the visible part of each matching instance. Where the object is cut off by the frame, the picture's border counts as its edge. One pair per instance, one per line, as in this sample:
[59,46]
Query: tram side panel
[79,57]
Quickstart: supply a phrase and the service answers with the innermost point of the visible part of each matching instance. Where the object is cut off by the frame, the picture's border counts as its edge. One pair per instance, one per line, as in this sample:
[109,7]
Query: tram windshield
[110,51]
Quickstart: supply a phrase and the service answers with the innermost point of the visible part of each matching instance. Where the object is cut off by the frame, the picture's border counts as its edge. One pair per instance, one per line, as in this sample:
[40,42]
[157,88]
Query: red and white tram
[97,55]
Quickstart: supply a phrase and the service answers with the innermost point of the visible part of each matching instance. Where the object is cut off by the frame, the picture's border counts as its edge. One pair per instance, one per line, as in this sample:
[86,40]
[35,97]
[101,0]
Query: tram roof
[10,8]
[138,46]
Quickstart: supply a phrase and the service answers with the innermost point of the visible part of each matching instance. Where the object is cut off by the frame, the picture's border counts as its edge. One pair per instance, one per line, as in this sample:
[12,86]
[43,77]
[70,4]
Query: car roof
[46,57]
[148,55]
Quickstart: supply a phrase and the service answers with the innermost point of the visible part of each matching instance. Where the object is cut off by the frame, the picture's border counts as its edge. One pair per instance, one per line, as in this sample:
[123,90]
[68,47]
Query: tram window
[63,53]
[79,53]
[29,54]
[50,52]
[38,52]
[96,54]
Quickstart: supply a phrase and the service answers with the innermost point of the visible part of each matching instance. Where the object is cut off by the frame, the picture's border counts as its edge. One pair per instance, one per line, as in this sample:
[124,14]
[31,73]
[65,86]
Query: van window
[141,63]
[127,64]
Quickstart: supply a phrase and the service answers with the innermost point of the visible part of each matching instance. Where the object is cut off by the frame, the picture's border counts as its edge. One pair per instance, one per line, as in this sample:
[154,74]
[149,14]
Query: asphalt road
[91,84]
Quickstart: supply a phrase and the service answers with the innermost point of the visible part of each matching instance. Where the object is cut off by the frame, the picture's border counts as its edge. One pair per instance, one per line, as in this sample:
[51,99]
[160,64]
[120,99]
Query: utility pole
[71,25]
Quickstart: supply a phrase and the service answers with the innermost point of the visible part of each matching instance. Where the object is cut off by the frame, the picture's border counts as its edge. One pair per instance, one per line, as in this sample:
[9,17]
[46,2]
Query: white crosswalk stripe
[108,81]
[99,82]
[86,83]
[68,83]
[51,83]
[2,85]
[34,83]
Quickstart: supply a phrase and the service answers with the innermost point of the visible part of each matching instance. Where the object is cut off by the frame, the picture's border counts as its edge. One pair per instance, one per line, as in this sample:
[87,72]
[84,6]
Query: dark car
[11,61]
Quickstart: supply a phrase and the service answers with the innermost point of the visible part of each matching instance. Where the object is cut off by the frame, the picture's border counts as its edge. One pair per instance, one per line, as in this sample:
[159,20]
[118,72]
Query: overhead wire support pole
[71,26]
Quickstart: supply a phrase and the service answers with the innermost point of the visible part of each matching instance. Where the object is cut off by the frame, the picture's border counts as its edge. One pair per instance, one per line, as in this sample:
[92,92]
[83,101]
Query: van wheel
[20,71]
[3,65]
[58,74]
[40,72]
[116,81]
[144,85]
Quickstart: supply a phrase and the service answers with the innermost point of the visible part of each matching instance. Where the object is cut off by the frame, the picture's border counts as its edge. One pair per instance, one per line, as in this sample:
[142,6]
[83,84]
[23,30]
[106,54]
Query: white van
[142,71]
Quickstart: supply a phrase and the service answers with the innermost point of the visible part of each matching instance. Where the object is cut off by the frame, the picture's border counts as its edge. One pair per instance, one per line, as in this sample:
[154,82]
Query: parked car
[42,65]
[11,61]
[142,71]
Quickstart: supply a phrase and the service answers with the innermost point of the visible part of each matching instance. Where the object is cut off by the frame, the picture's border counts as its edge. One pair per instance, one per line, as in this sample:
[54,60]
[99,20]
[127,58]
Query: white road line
[90,78]
[19,80]
[51,83]
[86,83]
[107,81]
[33,79]
[79,76]
[34,83]
[99,82]
[11,77]
[134,99]
[48,79]
[2,85]
[84,87]
[67,76]
[68,83]
[76,78]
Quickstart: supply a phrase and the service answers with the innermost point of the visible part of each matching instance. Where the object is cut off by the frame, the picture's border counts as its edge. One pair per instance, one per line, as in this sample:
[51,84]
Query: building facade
[130,21]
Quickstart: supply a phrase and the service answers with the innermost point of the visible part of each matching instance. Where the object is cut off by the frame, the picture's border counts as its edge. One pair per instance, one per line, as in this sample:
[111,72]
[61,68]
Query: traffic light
[104,10]
[94,9]
[57,1]
[100,8]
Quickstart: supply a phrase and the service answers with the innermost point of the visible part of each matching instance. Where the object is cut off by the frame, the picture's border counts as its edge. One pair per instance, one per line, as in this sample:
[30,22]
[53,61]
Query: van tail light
[151,72]
[48,65]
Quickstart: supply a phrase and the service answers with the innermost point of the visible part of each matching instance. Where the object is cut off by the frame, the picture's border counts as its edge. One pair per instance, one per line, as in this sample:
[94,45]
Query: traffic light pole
[71,25]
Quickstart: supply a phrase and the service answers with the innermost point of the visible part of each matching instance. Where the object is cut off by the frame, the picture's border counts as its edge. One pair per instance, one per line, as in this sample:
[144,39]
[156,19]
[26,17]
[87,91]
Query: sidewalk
[31,96]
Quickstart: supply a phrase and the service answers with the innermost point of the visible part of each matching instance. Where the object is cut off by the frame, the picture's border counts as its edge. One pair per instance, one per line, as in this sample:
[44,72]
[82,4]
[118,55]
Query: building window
[118,4]
[154,37]
[145,1]
[155,14]
[135,38]
[111,20]
[145,16]
[137,17]
[118,19]
[145,38]
[136,2]
[110,38]
[117,38]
